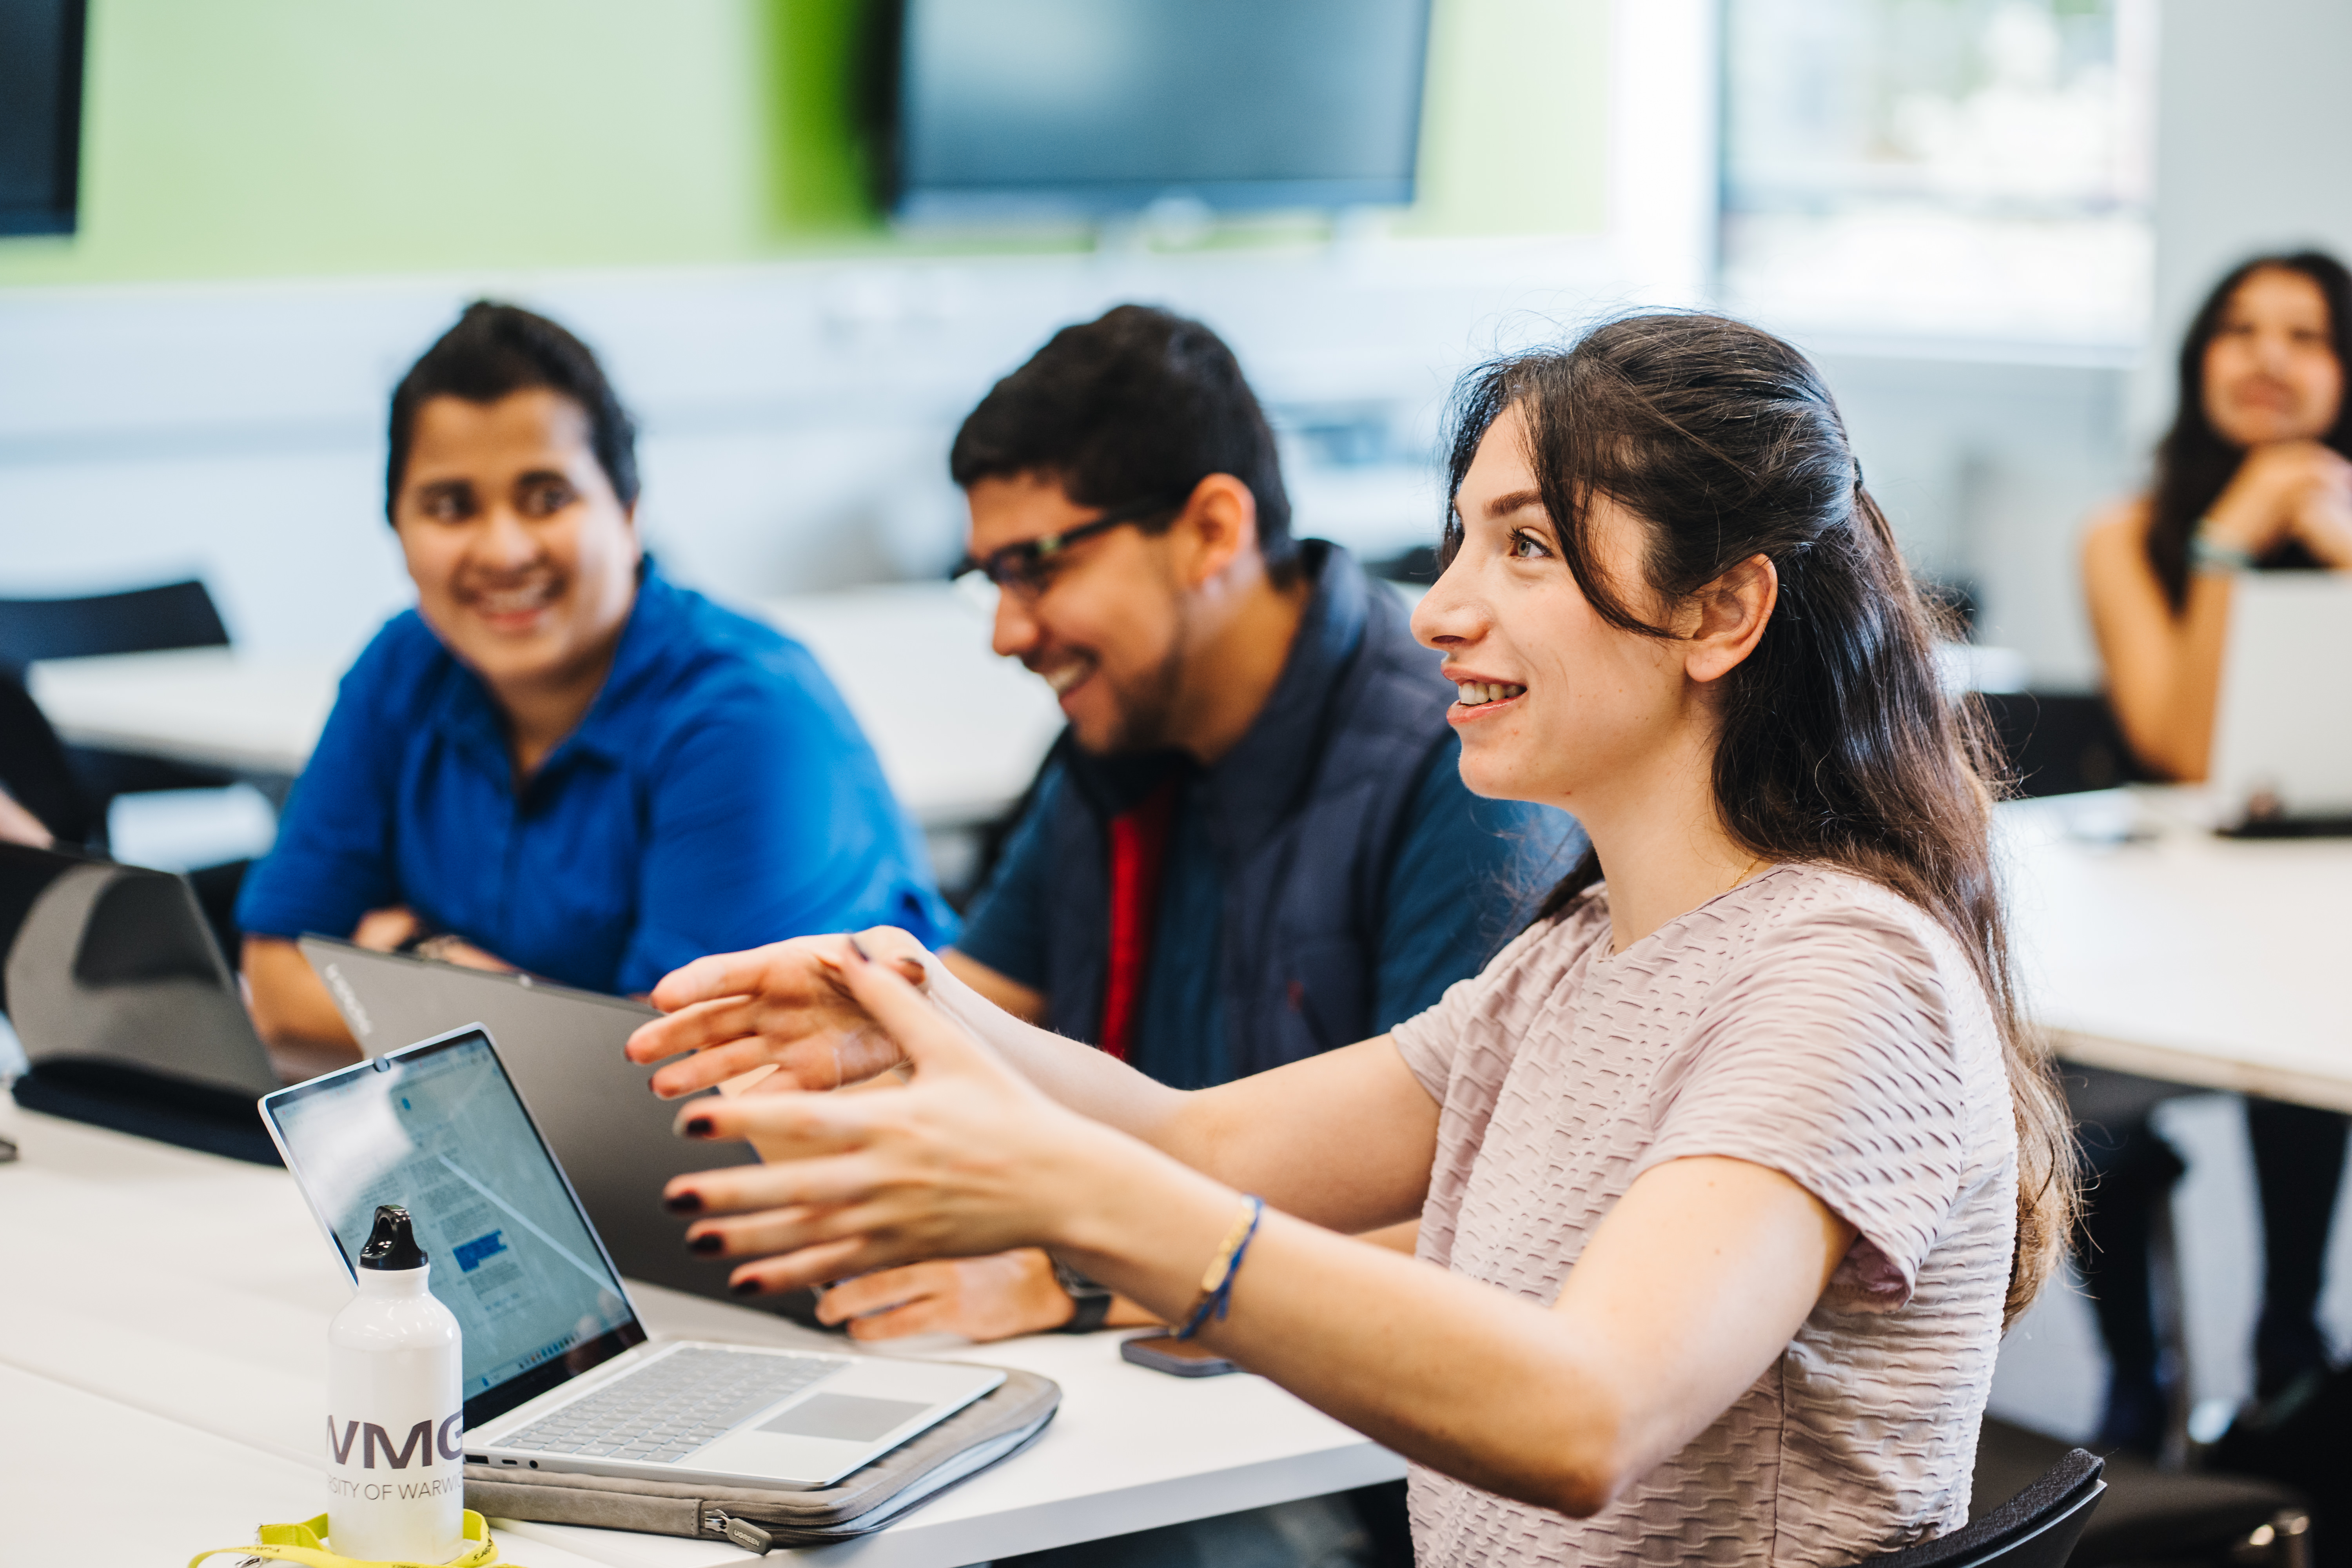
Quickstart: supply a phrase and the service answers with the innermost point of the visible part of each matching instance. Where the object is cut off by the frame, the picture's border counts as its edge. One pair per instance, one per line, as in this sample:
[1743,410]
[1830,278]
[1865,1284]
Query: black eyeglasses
[1028,567]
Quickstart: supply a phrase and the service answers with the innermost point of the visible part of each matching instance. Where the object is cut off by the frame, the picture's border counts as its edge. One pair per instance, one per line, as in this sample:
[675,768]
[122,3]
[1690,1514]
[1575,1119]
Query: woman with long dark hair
[2253,476]
[1733,1164]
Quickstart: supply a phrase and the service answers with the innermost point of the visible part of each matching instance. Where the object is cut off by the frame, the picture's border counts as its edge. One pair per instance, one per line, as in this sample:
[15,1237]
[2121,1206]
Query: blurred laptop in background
[2283,734]
[126,1010]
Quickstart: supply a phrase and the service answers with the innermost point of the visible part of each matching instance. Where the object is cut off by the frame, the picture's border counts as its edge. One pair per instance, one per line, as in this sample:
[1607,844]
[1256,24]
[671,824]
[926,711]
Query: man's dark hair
[495,350]
[1140,403]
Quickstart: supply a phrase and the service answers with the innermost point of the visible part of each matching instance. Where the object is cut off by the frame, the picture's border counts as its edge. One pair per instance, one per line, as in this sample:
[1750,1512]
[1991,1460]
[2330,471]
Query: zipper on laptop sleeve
[742,1532]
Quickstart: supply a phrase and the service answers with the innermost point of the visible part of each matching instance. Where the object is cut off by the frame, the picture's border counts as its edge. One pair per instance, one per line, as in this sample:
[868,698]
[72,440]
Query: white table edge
[2196,1069]
[215,754]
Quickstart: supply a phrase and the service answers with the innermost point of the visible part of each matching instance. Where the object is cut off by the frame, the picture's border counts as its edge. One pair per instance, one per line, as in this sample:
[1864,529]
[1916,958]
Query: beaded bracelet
[1217,1282]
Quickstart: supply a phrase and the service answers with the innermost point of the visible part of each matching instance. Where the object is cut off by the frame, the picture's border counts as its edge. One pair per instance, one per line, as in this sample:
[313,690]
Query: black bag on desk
[758,1518]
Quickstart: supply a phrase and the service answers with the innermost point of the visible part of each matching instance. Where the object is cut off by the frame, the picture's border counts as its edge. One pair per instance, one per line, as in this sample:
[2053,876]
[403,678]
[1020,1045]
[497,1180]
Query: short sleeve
[332,859]
[1433,1041]
[1006,928]
[1829,1053]
[1466,875]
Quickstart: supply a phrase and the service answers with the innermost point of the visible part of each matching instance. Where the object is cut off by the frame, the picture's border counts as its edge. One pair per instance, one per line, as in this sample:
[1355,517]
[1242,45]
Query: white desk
[88,1480]
[196,1291]
[959,729]
[2217,963]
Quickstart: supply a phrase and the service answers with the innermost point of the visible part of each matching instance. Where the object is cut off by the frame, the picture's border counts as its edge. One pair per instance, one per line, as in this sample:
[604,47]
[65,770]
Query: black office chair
[2152,1515]
[2037,1528]
[35,771]
[2060,742]
[143,620]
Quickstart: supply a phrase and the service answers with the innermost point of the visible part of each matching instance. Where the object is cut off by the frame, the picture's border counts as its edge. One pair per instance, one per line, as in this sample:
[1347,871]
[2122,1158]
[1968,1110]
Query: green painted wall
[258,138]
[1515,127]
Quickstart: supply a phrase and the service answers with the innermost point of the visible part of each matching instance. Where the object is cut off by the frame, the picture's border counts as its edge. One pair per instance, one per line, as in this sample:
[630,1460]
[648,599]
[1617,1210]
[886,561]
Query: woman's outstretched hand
[966,1157]
[784,1006]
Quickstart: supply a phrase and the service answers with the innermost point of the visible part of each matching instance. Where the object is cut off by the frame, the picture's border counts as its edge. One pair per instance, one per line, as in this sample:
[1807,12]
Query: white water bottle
[395,1420]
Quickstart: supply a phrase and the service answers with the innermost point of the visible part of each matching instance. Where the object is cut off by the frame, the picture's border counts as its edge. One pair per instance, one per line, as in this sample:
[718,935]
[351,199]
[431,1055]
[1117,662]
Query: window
[1974,168]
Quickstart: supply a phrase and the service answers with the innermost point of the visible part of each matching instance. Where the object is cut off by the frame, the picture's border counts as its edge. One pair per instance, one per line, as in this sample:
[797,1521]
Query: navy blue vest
[1306,817]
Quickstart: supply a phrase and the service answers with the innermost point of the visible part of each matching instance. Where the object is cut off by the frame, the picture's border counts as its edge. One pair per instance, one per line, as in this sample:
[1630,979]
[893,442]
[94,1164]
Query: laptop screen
[439,1129]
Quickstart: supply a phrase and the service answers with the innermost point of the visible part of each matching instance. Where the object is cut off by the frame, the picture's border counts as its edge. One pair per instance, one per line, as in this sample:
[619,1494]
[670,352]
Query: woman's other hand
[784,1006]
[396,929]
[18,825]
[966,1159]
[386,931]
[980,1299]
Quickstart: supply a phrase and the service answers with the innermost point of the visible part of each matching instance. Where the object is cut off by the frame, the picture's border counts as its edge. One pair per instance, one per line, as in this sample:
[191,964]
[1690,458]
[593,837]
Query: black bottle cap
[391,1245]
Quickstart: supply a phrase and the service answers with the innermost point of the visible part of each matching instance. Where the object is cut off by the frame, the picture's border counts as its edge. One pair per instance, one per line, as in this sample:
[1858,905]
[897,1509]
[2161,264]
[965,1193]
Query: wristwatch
[1093,1300]
[430,941]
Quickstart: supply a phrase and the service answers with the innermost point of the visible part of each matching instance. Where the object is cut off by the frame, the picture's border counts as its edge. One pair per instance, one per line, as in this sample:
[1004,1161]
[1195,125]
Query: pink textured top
[1806,1020]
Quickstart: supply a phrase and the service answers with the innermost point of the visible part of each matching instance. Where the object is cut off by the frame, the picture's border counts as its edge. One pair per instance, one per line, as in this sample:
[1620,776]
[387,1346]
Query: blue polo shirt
[717,795]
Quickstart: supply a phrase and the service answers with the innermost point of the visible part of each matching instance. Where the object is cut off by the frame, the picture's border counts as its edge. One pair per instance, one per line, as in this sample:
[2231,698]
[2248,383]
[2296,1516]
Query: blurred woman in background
[2253,475]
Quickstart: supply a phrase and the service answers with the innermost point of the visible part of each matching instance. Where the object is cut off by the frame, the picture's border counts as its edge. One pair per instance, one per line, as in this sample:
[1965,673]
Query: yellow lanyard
[300,1543]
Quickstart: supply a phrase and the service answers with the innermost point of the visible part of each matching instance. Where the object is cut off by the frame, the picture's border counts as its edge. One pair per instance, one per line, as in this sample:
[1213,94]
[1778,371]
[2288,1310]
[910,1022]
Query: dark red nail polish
[683,1203]
[699,1127]
[707,1243]
[744,1287]
[858,948]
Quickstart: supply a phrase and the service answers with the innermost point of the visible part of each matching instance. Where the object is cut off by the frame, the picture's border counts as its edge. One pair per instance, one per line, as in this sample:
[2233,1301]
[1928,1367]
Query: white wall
[2252,121]
[796,416]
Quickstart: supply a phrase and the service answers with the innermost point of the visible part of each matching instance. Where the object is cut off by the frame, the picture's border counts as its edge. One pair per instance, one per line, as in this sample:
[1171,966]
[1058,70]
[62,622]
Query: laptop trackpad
[848,1417]
[786,1457]
[861,1411]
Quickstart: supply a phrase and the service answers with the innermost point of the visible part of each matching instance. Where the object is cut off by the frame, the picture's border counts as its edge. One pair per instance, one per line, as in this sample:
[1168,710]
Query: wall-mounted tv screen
[40,114]
[1012,108]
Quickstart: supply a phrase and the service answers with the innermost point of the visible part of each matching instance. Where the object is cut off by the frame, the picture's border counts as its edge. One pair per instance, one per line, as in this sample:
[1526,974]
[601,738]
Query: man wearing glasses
[1252,843]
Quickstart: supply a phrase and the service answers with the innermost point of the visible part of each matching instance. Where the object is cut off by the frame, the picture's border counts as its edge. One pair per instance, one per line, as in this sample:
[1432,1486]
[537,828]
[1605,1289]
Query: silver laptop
[2283,734]
[559,1373]
[562,1049]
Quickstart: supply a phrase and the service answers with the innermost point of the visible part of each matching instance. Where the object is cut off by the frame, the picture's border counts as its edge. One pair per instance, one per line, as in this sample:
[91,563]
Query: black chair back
[2060,742]
[34,769]
[144,620]
[2035,1529]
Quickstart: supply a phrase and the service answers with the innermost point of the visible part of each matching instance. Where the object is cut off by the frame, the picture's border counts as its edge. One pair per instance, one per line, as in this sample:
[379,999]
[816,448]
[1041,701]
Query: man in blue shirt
[559,760]
[1252,843]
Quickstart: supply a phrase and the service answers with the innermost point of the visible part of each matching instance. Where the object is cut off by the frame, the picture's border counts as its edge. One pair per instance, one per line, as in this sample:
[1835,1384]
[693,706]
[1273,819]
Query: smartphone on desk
[1178,1358]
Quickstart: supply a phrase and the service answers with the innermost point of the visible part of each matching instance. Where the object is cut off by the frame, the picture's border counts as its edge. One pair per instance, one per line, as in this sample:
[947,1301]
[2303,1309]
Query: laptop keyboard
[670,1408]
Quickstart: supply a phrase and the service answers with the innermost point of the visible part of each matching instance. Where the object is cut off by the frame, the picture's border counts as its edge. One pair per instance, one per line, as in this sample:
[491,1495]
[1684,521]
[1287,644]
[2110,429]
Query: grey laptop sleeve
[757,1519]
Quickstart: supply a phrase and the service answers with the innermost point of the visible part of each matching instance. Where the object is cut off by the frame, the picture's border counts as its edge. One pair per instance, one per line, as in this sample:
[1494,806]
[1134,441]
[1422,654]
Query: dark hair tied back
[494,352]
[1839,744]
